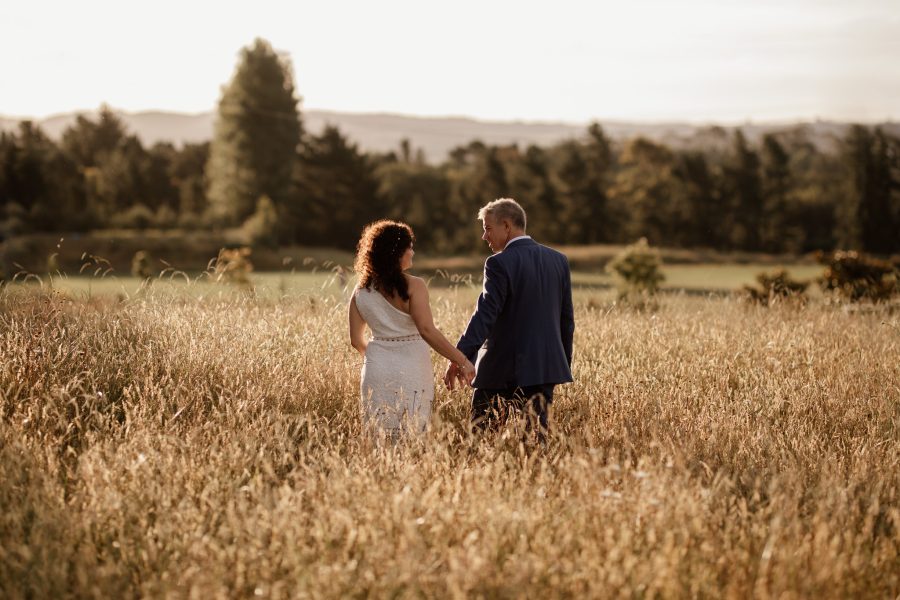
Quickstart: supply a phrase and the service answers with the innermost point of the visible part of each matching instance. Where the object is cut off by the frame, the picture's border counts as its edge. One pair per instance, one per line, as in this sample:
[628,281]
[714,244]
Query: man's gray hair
[504,208]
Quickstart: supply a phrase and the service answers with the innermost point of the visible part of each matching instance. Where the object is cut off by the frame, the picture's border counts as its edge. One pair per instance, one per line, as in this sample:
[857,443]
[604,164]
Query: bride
[397,383]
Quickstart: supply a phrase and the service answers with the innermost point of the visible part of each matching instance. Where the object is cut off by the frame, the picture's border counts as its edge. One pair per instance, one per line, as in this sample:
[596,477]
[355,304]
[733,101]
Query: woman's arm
[420,310]
[357,327]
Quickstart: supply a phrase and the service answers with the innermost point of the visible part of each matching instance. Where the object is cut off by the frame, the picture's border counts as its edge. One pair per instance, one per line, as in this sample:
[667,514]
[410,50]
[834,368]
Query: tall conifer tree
[257,134]
[744,186]
[776,187]
[867,218]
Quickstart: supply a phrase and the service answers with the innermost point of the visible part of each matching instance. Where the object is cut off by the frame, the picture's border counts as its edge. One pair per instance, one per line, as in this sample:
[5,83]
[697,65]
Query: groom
[520,336]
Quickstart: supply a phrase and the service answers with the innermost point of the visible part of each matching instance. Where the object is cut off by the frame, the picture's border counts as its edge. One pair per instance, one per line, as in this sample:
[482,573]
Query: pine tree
[575,193]
[599,155]
[776,184]
[531,185]
[644,192]
[338,192]
[415,193]
[868,222]
[702,199]
[91,145]
[255,146]
[40,186]
[88,142]
[744,186]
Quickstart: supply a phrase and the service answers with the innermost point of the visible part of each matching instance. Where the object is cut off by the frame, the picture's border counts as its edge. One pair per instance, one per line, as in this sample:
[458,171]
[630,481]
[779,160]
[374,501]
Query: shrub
[189,221]
[136,217]
[165,217]
[637,270]
[233,265]
[856,276]
[775,288]
[12,226]
[140,265]
[15,222]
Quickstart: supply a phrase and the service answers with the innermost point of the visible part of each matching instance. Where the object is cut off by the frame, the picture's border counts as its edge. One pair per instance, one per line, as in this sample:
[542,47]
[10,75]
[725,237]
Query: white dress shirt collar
[516,239]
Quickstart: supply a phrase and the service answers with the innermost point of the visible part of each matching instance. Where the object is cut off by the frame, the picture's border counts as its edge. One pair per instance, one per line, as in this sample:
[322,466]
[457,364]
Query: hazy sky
[696,60]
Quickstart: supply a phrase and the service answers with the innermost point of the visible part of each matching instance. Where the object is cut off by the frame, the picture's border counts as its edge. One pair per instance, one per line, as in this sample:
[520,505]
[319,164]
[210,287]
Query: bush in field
[15,221]
[165,217]
[637,269]
[857,276]
[140,265]
[136,217]
[233,265]
[775,287]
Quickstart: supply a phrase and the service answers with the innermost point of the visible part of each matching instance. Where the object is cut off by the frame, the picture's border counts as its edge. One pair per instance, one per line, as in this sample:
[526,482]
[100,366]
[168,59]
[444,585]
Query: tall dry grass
[209,448]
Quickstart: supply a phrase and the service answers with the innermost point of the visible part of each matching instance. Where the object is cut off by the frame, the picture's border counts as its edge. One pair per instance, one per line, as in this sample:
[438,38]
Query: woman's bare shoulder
[415,284]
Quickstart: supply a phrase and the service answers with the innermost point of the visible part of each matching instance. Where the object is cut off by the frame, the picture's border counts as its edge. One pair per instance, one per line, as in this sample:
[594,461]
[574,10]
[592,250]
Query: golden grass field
[209,446]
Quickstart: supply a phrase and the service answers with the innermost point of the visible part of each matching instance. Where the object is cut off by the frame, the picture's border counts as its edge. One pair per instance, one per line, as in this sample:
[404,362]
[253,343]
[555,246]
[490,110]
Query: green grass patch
[277,284]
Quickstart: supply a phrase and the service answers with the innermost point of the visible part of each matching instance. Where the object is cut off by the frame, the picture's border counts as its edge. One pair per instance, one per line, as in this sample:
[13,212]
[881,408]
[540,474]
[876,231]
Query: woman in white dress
[397,383]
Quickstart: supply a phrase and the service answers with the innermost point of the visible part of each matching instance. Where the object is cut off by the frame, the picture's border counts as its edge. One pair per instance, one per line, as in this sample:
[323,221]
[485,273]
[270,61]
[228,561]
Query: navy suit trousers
[491,407]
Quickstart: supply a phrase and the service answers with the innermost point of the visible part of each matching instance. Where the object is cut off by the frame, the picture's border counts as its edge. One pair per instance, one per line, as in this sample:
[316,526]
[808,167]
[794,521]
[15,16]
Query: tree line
[265,173]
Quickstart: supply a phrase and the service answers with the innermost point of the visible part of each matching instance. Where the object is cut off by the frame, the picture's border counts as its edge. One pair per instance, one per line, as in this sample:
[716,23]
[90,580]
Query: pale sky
[721,61]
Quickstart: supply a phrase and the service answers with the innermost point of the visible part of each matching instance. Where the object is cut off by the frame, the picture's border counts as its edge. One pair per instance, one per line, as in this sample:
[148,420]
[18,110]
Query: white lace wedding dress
[397,381]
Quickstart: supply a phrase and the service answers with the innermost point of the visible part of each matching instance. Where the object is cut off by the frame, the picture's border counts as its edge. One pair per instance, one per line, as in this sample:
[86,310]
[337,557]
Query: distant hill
[438,135]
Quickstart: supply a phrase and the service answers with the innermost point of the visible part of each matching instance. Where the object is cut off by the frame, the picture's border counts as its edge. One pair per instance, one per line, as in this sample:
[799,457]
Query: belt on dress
[404,338]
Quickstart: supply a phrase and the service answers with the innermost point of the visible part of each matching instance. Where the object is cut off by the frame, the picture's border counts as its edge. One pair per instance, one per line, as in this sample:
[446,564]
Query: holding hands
[462,373]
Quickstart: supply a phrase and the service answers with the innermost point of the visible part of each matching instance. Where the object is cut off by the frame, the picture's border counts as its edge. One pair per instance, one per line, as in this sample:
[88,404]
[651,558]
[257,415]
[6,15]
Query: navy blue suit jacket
[521,332]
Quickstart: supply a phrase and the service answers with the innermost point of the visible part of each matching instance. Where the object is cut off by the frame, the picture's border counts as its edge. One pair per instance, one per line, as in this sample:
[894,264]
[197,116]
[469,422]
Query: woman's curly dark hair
[378,256]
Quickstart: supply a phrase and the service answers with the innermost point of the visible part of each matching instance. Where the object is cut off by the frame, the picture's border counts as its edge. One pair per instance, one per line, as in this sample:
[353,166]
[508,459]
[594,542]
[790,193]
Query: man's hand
[466,373]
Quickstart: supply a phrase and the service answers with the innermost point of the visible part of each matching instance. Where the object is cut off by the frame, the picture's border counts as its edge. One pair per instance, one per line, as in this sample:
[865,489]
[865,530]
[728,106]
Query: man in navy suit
[520,335]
